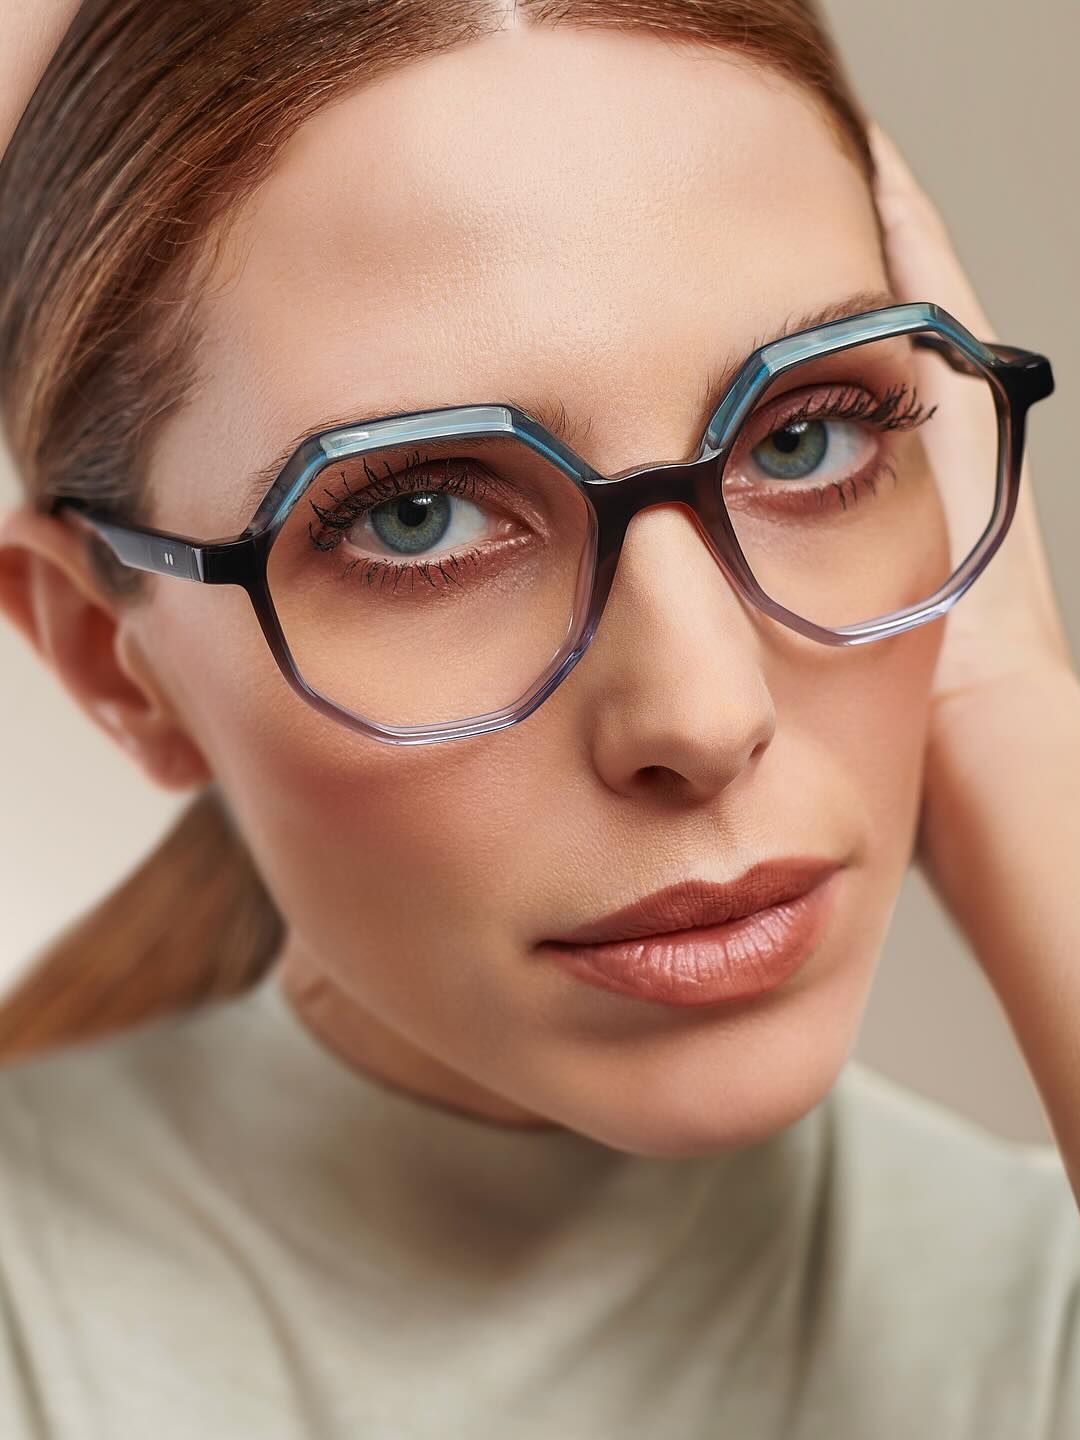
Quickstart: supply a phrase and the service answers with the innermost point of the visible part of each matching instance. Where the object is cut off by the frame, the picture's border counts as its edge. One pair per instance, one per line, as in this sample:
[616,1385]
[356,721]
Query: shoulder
[105,1139]
[114,1086]
[961,1245]
[83,1125]
[118,1227]
[922,1179]
[868,1102]
[72,1116]
[924,1163]
[66,1117]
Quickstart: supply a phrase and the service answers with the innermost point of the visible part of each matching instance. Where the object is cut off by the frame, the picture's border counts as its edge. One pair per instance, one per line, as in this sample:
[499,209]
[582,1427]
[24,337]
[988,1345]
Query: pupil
[412,510]
[788,439]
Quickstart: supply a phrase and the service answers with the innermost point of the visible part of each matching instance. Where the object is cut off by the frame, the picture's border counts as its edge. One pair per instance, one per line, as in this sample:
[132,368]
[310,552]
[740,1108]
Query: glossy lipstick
[697,943]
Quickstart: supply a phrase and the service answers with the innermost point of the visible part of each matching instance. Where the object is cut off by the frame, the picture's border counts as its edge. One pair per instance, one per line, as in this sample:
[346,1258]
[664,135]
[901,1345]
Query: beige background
[981,96]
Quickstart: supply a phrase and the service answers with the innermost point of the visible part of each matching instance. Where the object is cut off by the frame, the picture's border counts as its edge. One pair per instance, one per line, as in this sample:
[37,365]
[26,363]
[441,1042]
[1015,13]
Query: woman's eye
[806,448]
[414,524]
[425,533]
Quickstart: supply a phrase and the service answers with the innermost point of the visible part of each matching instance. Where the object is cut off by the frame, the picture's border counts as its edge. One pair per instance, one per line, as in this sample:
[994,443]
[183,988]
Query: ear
[50,593]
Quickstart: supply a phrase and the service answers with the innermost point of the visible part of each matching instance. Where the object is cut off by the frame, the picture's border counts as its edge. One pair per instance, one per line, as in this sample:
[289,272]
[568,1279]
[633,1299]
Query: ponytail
[193,922]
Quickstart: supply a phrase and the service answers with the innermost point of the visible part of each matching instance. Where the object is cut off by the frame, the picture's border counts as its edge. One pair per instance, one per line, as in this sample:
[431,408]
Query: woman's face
[598,220]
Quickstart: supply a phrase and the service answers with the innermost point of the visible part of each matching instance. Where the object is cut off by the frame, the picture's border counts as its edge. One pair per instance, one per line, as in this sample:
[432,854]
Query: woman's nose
[674,689]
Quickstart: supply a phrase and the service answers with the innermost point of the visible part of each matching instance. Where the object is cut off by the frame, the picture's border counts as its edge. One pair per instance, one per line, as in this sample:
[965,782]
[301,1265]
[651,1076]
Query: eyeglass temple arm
[1029,374]
[224,562]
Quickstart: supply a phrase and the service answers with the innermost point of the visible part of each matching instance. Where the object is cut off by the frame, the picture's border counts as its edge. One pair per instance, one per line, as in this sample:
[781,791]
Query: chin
[717,1087]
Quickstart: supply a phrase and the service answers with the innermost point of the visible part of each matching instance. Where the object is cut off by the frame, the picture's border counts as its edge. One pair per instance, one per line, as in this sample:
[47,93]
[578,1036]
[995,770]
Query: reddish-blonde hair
[150,126]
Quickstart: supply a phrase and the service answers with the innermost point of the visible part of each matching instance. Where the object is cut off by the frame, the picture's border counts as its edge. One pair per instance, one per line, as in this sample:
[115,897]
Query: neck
[345,1026]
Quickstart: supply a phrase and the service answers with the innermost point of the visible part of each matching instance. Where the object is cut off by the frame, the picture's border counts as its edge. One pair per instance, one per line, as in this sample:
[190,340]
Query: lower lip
[708,964]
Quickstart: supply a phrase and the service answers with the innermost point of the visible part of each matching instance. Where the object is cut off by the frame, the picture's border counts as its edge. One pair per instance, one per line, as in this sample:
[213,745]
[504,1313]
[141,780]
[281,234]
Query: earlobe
[171,760]
[49,593]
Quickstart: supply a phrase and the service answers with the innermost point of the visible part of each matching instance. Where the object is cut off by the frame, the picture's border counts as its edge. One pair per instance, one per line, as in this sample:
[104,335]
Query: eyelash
[898,409]
[354,505]
[347,509]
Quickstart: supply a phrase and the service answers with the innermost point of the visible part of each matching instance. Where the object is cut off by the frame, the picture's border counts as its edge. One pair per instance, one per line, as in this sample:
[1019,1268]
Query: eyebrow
[552,414]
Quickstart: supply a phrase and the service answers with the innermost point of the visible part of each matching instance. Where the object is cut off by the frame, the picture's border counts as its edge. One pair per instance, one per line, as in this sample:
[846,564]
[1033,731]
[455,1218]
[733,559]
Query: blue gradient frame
[1018,378]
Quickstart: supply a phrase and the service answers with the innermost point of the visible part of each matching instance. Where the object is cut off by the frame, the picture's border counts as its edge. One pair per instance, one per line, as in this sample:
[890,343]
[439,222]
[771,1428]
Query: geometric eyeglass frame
[1018,378]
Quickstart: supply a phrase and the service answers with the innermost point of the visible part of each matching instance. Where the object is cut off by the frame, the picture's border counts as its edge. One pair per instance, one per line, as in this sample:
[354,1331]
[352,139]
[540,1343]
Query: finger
[924,266]
[923,262]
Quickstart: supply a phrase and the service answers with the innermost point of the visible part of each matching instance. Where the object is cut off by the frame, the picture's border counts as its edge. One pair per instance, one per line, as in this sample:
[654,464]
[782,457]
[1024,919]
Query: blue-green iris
[412,523]
[793,452]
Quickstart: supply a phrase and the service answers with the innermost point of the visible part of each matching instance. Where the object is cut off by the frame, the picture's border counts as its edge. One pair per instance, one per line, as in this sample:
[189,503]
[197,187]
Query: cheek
[399,844]
[877,712]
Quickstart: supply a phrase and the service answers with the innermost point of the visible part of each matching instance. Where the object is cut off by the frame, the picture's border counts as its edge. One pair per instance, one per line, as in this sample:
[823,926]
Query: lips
[695,903]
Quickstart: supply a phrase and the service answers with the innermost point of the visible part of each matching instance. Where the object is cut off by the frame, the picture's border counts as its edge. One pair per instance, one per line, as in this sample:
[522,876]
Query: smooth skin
[604,223]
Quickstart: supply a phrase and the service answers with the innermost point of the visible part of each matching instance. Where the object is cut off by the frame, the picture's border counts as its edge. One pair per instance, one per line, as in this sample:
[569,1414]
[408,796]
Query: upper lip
[695,902]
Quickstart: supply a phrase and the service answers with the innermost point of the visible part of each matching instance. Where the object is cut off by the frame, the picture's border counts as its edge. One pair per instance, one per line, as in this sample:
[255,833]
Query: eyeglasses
[437,575]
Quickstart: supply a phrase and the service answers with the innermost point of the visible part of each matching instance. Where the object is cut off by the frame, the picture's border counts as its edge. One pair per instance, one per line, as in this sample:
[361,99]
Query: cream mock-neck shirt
[213,1228]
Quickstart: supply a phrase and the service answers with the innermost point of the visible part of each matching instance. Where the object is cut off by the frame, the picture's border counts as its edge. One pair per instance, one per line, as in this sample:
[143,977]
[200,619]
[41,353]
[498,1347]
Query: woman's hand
[1004,640]
[999,826]
[1007,627]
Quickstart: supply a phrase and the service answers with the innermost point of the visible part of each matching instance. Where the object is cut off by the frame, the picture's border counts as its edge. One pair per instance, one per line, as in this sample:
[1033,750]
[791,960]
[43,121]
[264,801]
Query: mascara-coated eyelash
[898,409]
[467,479]
[348,508]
